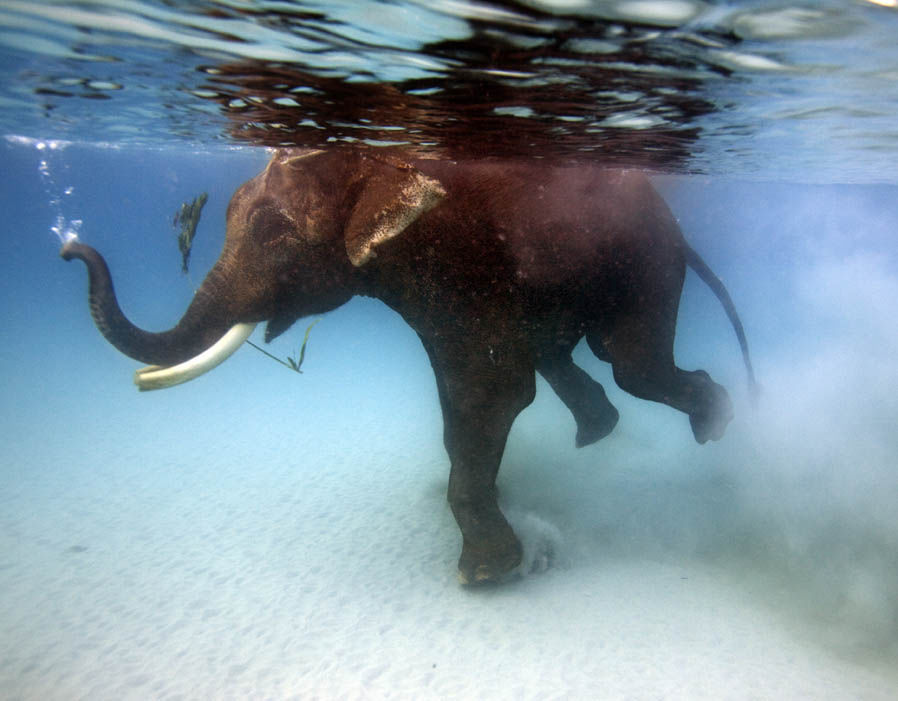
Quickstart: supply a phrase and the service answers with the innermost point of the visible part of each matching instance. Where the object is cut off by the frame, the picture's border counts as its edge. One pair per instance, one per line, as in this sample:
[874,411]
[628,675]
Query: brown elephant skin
[501,267]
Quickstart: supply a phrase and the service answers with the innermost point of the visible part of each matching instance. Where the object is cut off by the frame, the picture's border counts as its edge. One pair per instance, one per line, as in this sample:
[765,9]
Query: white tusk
[157,377]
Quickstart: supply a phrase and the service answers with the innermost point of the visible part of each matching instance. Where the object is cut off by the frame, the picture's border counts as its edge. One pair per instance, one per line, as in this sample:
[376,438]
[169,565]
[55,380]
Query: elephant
[500,266]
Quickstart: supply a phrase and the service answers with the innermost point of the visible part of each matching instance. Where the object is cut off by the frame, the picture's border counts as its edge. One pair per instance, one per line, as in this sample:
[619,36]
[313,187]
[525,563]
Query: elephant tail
[694,261]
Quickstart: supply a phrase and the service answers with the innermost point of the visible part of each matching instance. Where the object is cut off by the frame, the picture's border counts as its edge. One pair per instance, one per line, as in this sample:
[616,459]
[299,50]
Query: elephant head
[296,234]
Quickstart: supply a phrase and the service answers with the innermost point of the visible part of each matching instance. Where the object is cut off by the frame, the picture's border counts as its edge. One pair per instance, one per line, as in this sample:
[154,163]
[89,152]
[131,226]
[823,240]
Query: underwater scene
[536,349]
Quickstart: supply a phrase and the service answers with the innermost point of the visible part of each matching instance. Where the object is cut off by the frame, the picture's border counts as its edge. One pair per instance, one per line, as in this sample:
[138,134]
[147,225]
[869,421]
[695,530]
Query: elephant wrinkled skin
[500,267]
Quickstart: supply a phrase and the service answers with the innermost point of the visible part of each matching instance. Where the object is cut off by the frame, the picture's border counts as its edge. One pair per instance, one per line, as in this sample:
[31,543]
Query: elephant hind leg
[596,417]
[641,352]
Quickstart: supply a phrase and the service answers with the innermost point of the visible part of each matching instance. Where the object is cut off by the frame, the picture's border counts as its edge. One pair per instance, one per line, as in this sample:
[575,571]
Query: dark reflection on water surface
[676,85]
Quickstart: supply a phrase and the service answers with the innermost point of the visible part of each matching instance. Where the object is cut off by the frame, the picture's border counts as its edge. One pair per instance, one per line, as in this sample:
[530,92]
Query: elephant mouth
[160,377]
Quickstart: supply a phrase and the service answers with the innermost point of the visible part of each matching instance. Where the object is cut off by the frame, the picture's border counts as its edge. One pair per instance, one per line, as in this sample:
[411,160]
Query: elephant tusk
[157,377]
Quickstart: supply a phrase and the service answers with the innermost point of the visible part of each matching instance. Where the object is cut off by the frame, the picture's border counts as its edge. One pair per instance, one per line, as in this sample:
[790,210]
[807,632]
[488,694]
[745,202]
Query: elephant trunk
[202,339]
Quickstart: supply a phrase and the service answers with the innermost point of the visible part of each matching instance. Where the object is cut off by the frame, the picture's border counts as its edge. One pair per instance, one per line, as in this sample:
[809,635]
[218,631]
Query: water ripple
[669,84]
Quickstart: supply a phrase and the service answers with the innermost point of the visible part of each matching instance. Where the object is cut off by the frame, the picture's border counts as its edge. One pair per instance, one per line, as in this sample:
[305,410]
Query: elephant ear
[394,195]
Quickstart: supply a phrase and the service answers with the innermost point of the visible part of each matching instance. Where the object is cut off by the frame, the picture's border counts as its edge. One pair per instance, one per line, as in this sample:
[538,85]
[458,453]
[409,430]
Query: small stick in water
[291,363]
[188,216]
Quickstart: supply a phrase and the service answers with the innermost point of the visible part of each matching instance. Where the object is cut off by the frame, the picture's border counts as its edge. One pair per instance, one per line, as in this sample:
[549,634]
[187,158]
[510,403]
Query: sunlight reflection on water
[754,90]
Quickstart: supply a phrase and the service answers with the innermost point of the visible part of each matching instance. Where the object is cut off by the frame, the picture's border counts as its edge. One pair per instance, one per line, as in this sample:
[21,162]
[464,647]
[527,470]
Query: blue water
[261,534]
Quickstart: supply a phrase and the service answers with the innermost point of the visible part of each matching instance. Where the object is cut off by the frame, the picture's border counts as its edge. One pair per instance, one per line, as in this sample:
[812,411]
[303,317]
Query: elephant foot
[710,419]
[595,427]
[489,564]
[490,549]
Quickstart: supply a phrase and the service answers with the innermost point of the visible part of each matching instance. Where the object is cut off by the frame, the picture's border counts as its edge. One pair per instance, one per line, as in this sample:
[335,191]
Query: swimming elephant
[500,267]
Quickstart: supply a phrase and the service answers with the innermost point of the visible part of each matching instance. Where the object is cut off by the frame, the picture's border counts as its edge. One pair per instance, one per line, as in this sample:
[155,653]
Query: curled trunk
[203,325]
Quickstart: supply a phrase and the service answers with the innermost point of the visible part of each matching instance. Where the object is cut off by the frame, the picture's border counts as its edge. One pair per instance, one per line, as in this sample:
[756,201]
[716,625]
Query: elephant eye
[267,224]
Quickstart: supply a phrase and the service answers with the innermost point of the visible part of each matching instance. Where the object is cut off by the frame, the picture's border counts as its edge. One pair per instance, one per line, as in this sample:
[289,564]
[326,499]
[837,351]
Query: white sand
[263,585]
[173,552]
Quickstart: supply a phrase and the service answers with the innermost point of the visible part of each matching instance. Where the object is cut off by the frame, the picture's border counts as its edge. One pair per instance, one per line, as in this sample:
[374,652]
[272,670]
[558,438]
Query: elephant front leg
[490,548]
[482,400]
